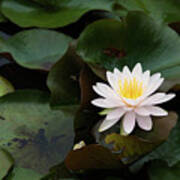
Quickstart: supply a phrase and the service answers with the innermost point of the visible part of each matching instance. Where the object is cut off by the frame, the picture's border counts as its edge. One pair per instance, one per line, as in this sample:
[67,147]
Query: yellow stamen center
[130,88]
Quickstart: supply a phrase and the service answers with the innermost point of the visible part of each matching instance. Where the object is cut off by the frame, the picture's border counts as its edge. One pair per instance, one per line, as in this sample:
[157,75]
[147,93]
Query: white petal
[126,108]
[144,122]
[156,111]
[166,98]
[154,79]
[153,86]
[137,70]
[131,102]
[146,78]
[146,74]
[115,114]
[117,72]
[152,99]
[155,76]
[106,124]
[129,122]
[106,103]
[104,90]
[142,111]
[157,98]
[112,80]
[126,72]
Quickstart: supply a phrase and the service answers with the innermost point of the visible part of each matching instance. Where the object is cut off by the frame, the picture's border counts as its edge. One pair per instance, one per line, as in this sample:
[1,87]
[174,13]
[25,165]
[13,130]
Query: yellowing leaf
[131,146]
[5,86]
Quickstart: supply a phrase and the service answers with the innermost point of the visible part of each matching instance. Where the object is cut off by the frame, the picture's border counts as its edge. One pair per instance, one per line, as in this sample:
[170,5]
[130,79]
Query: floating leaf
[61,13]
[87,114]
[24,174]
[36,136]
[159,170]
[168,11]
[171,85]
[167,151]
[87,80]
[37,48]
[129,147]
[111,43]
[60,172]
[92,157]
[162,127]
[6,162]
[5,86]
[2,19]
[63,81]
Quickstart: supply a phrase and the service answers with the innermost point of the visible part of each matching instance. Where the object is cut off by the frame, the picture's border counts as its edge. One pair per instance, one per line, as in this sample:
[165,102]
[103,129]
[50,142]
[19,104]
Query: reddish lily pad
[162,127]
[92,157]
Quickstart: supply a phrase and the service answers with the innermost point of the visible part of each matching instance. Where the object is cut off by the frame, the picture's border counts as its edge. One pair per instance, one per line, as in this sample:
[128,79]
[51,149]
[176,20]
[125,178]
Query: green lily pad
[6,163]
[22,173]
[161,10]
[110,43]
[37,48]
[167,151]
[36,136]
[2,19]
[61,13]
[5,86]
[160,170]
[63,81]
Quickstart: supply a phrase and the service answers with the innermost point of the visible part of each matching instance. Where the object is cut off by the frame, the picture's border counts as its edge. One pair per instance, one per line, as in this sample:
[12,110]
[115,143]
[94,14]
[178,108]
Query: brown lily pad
[93,156]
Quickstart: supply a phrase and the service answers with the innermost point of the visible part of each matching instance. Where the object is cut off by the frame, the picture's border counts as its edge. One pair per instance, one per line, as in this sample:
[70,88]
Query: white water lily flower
[130,96]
